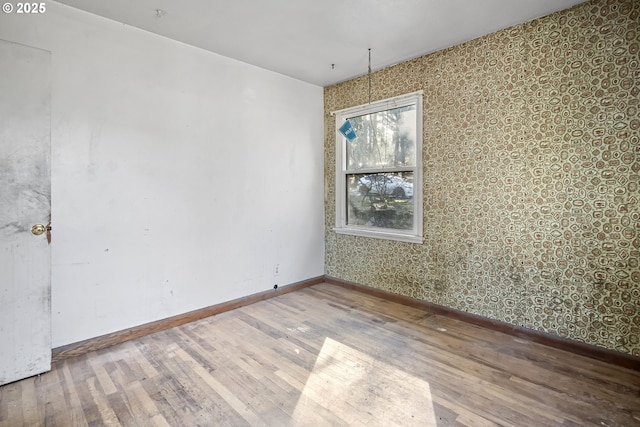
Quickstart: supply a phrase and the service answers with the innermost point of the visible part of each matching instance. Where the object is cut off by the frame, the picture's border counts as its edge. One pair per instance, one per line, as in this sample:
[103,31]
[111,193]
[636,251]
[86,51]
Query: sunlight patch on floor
[362,390]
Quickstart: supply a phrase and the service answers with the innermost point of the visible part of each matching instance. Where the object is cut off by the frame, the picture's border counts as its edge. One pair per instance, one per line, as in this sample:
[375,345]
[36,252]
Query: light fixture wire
[369,75]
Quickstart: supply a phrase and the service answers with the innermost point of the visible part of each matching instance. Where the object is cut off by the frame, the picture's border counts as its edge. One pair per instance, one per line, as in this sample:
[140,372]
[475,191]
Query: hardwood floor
[326,355]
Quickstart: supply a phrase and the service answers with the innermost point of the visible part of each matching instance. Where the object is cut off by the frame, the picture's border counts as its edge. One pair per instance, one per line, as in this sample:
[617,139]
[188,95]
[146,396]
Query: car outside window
[378,169]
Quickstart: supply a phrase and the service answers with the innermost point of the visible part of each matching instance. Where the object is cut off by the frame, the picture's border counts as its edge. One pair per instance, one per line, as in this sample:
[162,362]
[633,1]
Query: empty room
[320,213]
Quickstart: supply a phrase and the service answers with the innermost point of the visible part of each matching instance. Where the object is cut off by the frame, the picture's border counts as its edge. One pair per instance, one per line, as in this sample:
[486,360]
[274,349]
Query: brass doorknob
[38,229]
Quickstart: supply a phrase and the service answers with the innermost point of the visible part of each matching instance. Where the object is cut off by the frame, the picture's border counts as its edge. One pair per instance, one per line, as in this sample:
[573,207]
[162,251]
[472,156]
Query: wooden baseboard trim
[104,341]
[576,347]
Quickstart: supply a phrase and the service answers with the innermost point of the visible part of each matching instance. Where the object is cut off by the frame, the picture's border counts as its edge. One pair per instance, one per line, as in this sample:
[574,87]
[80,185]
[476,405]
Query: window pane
[383,139]
[382,200]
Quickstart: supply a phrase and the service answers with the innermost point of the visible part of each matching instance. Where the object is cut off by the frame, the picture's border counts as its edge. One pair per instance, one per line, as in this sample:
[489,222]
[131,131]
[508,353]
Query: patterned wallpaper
[531,177]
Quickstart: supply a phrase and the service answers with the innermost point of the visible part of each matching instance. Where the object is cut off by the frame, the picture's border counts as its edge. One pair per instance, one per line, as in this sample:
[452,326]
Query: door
[25,200]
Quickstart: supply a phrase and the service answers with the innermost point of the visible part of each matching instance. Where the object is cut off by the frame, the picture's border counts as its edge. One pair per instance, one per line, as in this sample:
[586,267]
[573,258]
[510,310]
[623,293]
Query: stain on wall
[531,163]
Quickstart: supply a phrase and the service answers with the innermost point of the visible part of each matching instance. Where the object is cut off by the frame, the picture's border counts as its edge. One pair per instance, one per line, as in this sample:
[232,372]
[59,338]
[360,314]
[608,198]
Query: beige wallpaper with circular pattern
[531,177]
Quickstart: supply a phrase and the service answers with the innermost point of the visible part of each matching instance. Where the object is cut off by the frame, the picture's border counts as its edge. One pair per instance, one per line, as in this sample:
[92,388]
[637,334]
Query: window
[378,169]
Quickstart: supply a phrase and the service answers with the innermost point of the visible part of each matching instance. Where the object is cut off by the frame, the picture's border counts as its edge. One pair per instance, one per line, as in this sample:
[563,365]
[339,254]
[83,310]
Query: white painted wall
[179,177]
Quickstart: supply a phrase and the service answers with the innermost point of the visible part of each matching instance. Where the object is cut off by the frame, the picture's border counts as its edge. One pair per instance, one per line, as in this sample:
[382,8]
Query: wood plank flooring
[326,356]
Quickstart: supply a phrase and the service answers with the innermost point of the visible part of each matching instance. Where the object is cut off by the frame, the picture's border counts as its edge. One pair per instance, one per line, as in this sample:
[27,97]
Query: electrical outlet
[276,269]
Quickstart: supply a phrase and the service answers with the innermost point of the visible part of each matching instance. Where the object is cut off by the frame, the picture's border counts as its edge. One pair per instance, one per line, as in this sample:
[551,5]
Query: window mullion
[380,170]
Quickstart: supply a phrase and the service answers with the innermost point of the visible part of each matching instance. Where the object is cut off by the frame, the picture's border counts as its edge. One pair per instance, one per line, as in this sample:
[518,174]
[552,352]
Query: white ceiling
[303,38]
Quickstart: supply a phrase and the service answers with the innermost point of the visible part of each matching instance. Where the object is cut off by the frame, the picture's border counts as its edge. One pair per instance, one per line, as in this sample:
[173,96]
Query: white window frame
[415,234]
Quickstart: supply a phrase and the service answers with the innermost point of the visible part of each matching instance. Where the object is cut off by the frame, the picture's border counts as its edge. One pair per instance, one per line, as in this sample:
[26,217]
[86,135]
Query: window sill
[386,235]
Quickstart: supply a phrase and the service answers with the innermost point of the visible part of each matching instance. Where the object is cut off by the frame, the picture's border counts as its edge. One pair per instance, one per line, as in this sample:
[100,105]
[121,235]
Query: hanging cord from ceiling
[369,75]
